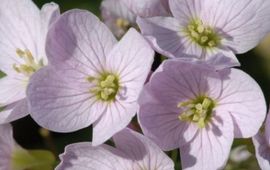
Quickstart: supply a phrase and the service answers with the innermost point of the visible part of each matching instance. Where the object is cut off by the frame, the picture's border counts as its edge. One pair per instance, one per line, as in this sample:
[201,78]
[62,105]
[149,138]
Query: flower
[117,16]
[200,110]
[133,151]
[262,145]
[203,28]
[22,42]
[120,15]
[91,78]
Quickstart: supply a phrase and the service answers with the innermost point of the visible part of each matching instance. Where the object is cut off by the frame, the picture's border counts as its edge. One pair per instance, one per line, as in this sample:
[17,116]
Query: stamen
[30,65]
[106,87]
[197,111]
[203,35]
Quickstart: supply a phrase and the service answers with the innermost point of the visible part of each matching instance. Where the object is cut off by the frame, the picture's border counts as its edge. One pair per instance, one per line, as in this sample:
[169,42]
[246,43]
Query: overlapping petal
[210,148]
[262,151]
[243,99]
[133,151]
[148,8]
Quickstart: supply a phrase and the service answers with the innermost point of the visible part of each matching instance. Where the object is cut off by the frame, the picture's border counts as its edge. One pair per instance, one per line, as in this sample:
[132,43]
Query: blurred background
[256,63]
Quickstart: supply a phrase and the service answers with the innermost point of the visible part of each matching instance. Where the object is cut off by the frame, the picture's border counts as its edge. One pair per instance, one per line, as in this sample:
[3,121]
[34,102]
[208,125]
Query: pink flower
[23,30]
[133,151]
[200,110]
[202,28]
[262,146]
[91,79]
[117,16]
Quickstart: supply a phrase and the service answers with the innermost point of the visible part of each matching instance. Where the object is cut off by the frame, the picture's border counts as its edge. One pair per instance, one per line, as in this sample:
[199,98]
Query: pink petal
[14,111]
[148,8]
[115,118]
[20,28]
[141,149]
[210,149]
[60,99]
[132,62]
[243,99]
[83,156]
[262,151]
[82,39]
[12,89]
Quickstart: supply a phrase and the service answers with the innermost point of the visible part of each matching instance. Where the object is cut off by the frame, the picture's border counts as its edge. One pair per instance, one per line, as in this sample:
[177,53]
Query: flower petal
[60,99]
[6,146]
[243,99]
[164,35]
[20,28]
[148,8]
[48,14]
[81,39]
[84,156]
[174,82]
[210,149]
[113,11]
[262,151]
[132,62]
[145,153]
[247,22]
[115,118]
[14,111]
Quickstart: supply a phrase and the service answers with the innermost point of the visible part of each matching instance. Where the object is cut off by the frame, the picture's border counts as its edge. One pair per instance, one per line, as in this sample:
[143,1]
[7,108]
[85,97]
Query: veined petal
[115,118]
[148,8]
[262,151]
[145,153]
[82,39]
[164,35]
[132,62]
[246,22]
[243,99]
[48,14]
[210,149]
[84,156]
[174,82]
[20,28]
[159,121]
[60,99]
[12,89]
[6,146]
[14,111]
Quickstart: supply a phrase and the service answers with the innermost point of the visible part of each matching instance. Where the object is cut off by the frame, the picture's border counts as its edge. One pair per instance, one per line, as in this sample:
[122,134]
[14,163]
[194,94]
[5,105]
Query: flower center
[122,23]
[203,35]
[106,87]
[29,66]
[198,111]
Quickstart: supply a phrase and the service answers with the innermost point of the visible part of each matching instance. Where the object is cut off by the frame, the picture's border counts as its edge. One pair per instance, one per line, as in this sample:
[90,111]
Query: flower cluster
[69,71]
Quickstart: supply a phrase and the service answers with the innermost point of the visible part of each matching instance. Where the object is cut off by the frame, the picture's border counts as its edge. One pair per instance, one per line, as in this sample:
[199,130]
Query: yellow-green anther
[200,29]
[30,65]
[106,87]
[202,34]
[197,111]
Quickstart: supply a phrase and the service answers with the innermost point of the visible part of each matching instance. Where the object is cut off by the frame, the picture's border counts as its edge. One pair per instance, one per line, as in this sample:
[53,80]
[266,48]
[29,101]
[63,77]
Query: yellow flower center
[198,111]
[203,35]
[29,66]
[106,86]
[122,24]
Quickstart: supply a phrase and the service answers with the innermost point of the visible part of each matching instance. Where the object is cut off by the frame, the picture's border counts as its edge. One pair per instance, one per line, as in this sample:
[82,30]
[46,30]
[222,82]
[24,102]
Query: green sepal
[32,160]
